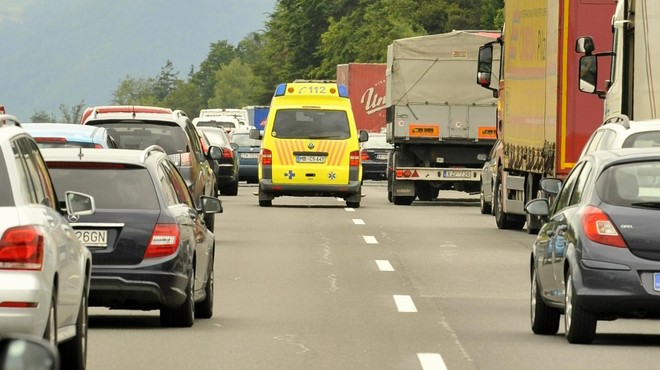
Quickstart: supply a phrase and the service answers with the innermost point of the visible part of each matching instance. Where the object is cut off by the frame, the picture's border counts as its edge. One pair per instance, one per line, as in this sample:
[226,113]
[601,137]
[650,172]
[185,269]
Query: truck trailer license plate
[456,174]
[93,238]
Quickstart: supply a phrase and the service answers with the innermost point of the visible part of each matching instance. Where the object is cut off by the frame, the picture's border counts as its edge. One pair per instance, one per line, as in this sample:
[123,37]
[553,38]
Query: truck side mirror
[585,45]
[485,66]
[588,73]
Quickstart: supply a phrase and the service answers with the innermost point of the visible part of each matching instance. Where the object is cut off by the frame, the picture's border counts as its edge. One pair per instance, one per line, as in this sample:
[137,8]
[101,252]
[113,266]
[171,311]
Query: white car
[619,132]
[44,269]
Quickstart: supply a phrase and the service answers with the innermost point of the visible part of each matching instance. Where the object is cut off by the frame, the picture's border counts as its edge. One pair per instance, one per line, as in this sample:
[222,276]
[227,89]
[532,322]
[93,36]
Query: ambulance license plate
[310,159]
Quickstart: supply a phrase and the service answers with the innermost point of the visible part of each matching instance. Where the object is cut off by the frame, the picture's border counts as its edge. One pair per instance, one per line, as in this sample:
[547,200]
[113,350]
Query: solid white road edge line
[431,361]
[384,265]
[404,303]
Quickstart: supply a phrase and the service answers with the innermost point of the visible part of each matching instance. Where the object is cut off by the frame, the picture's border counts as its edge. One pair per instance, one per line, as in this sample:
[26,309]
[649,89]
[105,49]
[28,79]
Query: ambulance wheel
[265,203]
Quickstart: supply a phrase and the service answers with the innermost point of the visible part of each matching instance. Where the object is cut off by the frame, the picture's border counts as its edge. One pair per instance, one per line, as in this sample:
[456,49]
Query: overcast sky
[66,51]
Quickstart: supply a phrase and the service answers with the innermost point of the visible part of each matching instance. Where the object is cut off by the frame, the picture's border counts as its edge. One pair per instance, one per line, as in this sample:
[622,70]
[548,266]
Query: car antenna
[80,153]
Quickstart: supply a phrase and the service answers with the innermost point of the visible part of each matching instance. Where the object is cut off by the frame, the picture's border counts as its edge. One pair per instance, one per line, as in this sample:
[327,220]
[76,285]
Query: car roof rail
[150,150]
[9,120]
[179,113]
[621,119]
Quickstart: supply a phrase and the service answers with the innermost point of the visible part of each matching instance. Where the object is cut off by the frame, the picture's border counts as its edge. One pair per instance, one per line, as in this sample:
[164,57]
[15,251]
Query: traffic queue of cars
[67,244]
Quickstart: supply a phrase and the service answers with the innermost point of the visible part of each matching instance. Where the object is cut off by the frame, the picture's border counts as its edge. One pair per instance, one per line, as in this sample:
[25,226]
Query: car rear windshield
[377,142]
[646,139]
[141,134]
[245,140]
[630,184]
[311,124]
[215,138]
[216,124]
[6,196]
[112,186]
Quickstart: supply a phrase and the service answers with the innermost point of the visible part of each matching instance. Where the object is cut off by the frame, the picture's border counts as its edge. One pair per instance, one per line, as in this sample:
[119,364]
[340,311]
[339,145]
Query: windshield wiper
[646,204]
[321,137]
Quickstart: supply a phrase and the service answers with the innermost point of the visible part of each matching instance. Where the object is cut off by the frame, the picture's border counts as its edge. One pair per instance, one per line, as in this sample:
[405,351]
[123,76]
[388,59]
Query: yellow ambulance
[310,145]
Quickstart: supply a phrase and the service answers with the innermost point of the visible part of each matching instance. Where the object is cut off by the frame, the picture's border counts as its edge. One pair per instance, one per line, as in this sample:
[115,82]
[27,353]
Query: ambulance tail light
[266,157]
[354,158]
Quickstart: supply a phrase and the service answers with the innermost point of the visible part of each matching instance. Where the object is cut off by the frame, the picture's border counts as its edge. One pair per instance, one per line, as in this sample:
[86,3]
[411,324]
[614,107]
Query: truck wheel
[424,191]
[501,218]
[402,201]
[484,207]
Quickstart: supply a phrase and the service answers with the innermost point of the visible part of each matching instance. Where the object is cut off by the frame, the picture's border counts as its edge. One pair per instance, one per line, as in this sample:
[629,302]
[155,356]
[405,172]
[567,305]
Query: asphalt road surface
[311,284]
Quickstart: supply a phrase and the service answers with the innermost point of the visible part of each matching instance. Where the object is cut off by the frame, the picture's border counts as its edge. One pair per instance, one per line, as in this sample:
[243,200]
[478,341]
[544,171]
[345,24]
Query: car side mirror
[215,152]
[550,185]
[210,204]
[255,134]
[22,352]
[538,207]
[234,146]
[364,136]
[79,204]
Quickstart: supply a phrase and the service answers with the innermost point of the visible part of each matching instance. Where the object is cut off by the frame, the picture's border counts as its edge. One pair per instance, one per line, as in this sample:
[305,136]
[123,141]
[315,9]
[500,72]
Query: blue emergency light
[281,88]
[343,90]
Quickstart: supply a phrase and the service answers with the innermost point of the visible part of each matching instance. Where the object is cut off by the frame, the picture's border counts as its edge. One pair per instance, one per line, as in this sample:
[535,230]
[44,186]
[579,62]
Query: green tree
[363,35]
[165,81]
[221,53]
[235,86]
[185,96]
[72,114]
[42,117]
[135,91]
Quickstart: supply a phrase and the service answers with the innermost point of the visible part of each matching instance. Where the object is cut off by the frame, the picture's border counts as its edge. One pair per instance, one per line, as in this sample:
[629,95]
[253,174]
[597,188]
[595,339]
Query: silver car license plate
[656,281]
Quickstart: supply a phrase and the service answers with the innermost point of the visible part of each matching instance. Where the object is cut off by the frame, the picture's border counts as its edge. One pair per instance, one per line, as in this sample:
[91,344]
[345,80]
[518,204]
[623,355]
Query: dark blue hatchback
[597,256]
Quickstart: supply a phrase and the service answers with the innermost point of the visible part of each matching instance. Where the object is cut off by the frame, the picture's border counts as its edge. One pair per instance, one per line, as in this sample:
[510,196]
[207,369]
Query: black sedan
[226,167]
[150,246]
[597,256]
[374,157]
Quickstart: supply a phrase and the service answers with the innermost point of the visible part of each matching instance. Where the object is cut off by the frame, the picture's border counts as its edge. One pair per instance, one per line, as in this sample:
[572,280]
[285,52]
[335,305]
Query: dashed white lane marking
[384,265]
[358,221]
[349,209]
[431,361]
[404,303]
[370,239]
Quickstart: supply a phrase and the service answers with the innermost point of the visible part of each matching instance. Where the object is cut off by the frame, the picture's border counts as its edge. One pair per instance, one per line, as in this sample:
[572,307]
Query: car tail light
[22,248]
[227,153]
[98,146]
[354,158]
[164,241]
[205,147]
[266,157]
[11,304]
[599,228]
[365,155]
[50,139]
